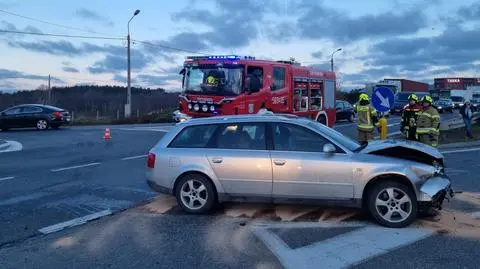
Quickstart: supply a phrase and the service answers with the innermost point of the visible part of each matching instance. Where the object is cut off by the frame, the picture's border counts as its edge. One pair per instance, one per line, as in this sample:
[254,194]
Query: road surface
[63,178]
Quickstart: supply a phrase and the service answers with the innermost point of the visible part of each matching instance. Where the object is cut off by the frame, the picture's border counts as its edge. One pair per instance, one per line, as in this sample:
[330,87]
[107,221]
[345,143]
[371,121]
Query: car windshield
[457,99]
[214,80]
[337,137]
[403,97]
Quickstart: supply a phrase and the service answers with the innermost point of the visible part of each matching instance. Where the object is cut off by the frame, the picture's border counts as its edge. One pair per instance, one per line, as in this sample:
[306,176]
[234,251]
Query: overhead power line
[54,24]
[59,35]
[167,47]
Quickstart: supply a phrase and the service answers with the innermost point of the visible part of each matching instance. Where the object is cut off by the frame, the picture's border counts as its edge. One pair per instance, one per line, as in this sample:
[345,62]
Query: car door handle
[279,162]
[217,160]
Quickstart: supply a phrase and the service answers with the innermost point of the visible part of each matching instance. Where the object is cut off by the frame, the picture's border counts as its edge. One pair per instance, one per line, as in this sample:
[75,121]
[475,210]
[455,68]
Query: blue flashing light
[221,57]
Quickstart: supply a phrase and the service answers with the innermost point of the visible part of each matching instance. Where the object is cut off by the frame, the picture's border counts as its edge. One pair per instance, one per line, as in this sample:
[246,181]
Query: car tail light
[57,114]
[151,160]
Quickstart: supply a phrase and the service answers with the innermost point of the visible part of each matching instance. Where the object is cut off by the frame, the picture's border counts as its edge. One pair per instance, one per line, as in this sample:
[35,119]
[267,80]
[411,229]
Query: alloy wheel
[42,124]
[393,205]
[193,194]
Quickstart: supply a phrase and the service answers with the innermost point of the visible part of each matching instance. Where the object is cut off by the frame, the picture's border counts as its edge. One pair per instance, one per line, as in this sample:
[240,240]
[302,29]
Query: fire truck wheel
[322,119]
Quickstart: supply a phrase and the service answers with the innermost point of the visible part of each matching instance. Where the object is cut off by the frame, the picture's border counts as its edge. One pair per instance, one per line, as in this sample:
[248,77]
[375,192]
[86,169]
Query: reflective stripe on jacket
[365,115]
[428,121]
[410,115]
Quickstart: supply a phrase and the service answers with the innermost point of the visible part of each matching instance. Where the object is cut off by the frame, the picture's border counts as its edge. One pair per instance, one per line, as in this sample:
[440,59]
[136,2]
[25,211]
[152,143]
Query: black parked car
[444,105]
[345,111]
[41,117]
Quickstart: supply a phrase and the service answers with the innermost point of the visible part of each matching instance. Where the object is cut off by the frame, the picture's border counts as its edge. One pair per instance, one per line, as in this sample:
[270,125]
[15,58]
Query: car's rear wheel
[392,204]
[41,124]
[195,194]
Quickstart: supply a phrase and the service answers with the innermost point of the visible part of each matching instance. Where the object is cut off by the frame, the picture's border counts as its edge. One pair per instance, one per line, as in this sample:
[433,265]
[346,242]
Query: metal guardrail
[457,123]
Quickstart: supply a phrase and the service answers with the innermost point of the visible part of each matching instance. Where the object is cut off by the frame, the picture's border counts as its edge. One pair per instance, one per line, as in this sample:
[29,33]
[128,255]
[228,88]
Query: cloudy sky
[414,39]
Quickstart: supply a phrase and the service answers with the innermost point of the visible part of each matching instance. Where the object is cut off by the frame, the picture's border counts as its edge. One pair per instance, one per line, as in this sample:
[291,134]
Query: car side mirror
[329,148]
[338,108]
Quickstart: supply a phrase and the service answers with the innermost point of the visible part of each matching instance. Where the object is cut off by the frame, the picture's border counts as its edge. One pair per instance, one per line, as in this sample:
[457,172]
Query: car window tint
[31,109]
[194,137]
[14,111]
[289,137]
[242,136]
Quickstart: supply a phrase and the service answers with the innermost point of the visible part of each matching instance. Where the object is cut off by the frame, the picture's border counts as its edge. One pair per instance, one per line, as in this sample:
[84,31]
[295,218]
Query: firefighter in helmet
[367,119]
[409,117]
[428,123]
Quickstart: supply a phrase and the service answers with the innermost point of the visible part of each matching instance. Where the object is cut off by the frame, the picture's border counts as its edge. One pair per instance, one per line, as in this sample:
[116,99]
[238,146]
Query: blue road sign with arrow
[383,99]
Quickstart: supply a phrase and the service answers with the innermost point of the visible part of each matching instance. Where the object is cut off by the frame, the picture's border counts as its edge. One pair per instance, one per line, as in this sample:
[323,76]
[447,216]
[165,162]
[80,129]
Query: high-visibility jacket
[367,117]
[428,121]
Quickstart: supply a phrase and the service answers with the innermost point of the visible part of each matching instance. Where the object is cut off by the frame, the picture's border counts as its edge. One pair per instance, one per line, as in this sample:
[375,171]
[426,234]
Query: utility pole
[331,58]
[49,93]
[128,106]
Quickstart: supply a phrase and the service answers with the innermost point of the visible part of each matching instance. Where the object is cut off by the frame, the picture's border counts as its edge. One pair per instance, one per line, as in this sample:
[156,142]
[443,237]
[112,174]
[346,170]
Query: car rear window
[52,108]
[194,137]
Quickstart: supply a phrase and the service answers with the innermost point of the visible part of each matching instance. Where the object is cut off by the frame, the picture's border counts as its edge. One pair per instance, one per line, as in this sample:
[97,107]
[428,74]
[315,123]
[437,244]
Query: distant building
[398,85]
[444,86]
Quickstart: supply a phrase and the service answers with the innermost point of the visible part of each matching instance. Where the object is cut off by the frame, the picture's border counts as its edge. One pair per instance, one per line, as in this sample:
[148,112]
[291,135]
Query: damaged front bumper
[435,190]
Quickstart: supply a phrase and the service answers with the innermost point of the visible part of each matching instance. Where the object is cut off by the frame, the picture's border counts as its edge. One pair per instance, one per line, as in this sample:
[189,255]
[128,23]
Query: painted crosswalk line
[352,243]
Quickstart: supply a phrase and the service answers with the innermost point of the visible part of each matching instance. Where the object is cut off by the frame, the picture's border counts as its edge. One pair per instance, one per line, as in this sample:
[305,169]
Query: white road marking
[133,157]
[460,150]
[6,178]
[74,222]
[344,250]
[150,129]
[11,146]
[74,167]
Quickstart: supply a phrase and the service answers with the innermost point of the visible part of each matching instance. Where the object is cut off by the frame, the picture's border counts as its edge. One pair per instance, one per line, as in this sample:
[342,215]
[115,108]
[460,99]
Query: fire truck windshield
[214,80]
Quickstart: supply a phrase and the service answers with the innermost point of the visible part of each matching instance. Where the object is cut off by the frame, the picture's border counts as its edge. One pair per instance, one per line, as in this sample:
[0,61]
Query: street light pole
[331,58]
[128,107]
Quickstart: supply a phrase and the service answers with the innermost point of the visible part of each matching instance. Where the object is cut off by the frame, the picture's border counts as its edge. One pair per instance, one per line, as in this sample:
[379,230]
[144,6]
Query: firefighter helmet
[363,97]
[427,99]
[413,97]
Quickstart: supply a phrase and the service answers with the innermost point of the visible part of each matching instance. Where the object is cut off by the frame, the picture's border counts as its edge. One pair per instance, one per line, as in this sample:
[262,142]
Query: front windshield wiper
[361,147]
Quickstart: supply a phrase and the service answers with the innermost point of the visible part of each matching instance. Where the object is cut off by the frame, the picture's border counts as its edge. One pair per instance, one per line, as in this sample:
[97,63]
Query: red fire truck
[231,84]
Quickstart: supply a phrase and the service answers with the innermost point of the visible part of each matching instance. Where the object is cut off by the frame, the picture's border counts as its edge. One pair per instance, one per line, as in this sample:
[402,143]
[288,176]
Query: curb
[475,143]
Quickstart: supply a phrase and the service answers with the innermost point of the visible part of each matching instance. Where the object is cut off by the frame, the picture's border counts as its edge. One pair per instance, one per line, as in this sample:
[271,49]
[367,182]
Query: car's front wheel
[392,204]
[351,118]
[41,124]
[195,194]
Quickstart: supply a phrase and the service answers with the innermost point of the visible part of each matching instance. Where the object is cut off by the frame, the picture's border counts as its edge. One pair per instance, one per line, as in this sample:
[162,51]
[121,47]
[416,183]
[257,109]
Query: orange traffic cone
[107,135]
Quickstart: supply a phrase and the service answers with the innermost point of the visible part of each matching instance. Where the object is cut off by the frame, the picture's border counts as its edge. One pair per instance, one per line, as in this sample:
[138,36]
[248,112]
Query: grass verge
[459,135]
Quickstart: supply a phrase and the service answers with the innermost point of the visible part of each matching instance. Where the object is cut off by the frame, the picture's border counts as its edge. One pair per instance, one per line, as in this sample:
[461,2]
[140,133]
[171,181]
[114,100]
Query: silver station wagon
[288,159]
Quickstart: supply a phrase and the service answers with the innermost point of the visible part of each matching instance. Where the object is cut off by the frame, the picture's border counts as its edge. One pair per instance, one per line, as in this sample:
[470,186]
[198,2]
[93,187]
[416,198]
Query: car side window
[290,137]
[32,109]
[278,78]
[241,136]
[14,111]
[339,105]
[194,137]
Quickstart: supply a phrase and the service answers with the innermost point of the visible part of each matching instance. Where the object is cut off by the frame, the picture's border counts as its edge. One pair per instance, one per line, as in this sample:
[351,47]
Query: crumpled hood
[380,145]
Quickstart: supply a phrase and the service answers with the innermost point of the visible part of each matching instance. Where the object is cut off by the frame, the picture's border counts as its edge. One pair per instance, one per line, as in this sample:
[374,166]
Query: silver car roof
[244,118]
